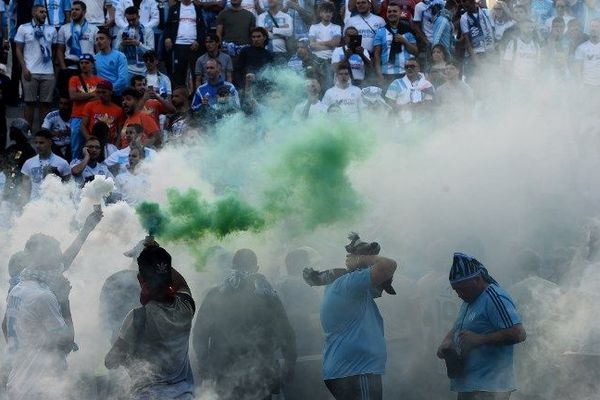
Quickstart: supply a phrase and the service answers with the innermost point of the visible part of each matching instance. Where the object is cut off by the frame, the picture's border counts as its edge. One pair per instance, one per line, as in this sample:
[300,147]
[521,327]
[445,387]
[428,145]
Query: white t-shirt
[164,344]
[33,318]
[186,34]
[313,111]
[356,62]
[37,169]
[95,12]
[367,27]
[133,187]
[87,39]
[348,99]
[423,15]
[121,157]
[89,171]
[525,58]
[278,35]
[149,15]
[323,33]
[589,54]
[32,47]
[54,122]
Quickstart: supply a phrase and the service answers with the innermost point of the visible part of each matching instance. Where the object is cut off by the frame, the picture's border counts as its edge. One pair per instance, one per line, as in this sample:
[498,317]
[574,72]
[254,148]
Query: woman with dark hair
[101,131]
[439,58]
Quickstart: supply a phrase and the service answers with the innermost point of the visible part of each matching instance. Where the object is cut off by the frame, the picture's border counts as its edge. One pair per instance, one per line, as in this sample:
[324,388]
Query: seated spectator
[522,56]
[454,97]
[38,167]
[117,161]
[58,122]
[373,102]
[133,184]
[411,93]
[159,81]
[254,58]
[344,94]
[311,107]
[206,94]
[133,106]
[102,110]
[111,64]
[352,53]
[394,43]
[134,40]
[439,58]
[305,63]
[213,51]
[84,170]
[226,104]
[279,26]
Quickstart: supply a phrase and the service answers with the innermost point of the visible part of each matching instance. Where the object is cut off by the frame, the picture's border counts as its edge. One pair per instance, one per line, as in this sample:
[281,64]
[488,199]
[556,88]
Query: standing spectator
[213,52]
[280,27]
[411,93]
[206,94]
[13,159]
[35,41]
[59,11]
[454,97]
[154,339]
[104,110]
[354,55]
[96,12]
[134,40]
[184,40]
[210,10]
[254,58]
[393,45]
[366,23]
[522,56]
[575,35]
[46,162]
[324,37]
[19,13]
[154,105]
[82,89]
[561,12]
[540,12]
[354,354]
[443,27]
[133,104]
[154,78]
[111,64]
[149,16]
[178,124]
[439,59]
[240,331]
[486,330]
[311,107]
[587,58]
[503,21]
[344,94]
[305,63]
[234,24]
[477,30]
[133,182]
[423,19]
[555,52]
[74,39]
[58,122]
[92,163]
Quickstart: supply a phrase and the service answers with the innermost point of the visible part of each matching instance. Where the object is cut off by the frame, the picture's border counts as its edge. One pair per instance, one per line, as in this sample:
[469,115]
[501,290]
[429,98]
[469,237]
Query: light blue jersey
[354,339]
[383,38]
[56,11]
[487,368]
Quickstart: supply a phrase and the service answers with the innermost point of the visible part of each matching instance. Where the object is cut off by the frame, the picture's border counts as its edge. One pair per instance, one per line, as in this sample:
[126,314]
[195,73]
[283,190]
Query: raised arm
[71,252]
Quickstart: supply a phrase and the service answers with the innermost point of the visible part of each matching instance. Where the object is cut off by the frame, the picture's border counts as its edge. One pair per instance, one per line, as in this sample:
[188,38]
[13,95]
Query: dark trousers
[484,396]
[181,60]
[359,387]
[12,97]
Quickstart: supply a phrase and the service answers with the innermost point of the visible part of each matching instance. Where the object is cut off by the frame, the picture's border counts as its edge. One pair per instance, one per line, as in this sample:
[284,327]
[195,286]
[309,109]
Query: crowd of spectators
[129,76]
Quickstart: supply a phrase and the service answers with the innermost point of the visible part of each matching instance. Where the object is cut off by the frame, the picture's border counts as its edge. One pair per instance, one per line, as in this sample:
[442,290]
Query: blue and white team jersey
[54,122]
[384,38]
[354,338]
[89,171]
[487,368]
[121,158]
[56,11]
[280,27]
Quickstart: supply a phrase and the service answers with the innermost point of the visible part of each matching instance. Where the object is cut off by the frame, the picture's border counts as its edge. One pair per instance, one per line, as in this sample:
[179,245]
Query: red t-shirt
[75,83]
[154,108]
[110,114]
[150,126]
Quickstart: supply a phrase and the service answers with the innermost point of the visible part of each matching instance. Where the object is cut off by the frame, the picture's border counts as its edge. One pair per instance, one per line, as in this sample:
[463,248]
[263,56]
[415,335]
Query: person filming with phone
[352,53]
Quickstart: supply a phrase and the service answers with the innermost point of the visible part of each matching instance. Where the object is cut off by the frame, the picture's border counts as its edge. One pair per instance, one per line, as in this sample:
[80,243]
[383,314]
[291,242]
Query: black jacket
[172,25]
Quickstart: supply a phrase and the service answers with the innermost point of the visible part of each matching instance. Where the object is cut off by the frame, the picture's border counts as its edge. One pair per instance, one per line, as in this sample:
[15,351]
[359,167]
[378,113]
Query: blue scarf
[38,33]
[74,40]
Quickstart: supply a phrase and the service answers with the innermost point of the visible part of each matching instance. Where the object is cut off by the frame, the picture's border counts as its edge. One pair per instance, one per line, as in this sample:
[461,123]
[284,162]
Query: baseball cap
[87,56]
[106,85]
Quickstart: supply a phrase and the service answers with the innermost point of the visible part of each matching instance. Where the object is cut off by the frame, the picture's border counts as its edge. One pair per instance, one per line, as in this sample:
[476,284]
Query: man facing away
[478,350]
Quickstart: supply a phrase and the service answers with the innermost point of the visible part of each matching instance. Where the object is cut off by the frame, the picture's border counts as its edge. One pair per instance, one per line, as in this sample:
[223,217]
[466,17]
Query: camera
[354,42]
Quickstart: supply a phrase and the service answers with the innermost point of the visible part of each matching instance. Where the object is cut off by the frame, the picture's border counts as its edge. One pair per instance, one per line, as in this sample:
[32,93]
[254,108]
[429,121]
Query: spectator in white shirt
[587,57]
[280,28]
[148,10]
[344,94]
